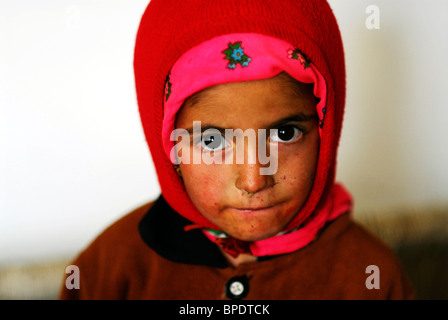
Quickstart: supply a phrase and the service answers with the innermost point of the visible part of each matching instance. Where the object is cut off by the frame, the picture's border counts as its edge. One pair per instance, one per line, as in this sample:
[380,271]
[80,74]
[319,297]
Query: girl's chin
[251,235]
[257,224]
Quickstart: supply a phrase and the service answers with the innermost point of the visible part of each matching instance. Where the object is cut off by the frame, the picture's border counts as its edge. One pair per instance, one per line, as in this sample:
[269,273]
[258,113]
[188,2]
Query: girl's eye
[285,134]
[214,141]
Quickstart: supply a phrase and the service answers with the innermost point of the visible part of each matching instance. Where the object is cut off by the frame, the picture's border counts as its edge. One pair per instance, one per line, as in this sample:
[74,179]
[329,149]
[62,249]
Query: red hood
[170,28]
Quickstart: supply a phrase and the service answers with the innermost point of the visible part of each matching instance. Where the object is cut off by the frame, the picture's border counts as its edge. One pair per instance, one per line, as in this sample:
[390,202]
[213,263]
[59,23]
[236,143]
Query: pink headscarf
[244,57]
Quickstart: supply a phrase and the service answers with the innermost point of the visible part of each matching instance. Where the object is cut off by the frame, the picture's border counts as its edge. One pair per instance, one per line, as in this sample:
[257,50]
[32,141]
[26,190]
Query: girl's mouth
[257,209]
[250,209]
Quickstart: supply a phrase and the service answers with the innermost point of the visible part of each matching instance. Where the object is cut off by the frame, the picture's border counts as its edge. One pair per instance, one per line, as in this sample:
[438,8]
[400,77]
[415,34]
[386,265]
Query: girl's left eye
[214,141]
[285,134]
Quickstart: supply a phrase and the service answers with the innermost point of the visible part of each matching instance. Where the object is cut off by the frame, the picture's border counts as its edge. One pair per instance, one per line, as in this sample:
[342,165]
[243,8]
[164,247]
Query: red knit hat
[170,28]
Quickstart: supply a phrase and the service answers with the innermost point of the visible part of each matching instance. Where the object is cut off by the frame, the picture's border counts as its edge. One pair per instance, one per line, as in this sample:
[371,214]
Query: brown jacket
[142,256]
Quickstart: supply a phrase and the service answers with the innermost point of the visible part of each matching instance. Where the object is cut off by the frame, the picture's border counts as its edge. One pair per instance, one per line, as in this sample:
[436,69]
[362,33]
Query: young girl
[242,104]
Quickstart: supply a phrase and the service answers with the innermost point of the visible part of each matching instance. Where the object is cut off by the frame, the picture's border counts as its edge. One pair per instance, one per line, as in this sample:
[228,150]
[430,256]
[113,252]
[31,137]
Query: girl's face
[245,204]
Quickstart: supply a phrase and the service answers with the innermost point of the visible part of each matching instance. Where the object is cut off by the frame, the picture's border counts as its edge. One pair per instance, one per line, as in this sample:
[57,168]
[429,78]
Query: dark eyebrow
[207,127]
[300,117]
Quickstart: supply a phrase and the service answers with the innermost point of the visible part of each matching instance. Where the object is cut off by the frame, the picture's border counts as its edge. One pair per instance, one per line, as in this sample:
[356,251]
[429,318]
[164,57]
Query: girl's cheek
[294,171]
[210,188]
[206,181]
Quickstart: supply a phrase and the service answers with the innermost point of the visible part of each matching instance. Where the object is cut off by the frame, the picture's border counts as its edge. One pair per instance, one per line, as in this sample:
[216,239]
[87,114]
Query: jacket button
[237,287]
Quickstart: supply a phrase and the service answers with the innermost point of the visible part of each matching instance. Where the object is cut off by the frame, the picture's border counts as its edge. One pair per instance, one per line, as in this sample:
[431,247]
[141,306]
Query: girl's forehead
[281,88]
[248,103]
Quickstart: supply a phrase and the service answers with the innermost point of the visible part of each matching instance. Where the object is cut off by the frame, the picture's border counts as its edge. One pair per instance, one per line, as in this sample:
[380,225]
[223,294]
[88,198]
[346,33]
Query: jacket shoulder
[104,260]
[366,256]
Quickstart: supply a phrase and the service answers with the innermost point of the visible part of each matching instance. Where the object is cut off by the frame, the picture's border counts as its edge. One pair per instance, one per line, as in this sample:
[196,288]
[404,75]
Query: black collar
[162,229]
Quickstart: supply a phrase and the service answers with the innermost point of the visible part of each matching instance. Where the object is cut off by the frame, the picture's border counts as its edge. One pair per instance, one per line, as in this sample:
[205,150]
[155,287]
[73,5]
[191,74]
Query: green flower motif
[235,54]
[296,54]
[168,86]
[321,122]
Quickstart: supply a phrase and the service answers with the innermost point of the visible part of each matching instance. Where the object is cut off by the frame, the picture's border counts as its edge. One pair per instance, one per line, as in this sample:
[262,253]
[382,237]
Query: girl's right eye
[213,141]
[286,134]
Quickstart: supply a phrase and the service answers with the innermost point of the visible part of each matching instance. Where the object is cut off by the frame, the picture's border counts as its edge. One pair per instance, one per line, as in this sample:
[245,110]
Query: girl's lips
[258,207]
[254,208]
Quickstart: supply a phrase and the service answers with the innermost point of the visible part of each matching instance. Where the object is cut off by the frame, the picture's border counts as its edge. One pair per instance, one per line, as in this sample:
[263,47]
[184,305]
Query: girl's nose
[250,180]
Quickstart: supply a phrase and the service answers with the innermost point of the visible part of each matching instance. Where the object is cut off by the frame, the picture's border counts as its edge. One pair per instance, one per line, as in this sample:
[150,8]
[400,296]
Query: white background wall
[73,156]
[394,149]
